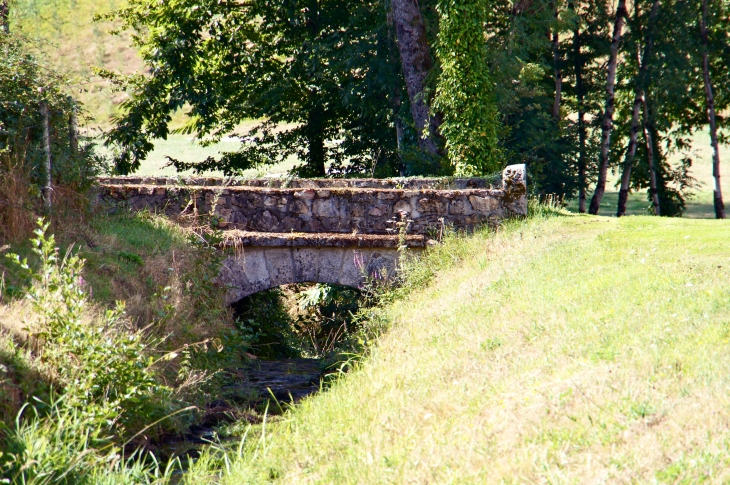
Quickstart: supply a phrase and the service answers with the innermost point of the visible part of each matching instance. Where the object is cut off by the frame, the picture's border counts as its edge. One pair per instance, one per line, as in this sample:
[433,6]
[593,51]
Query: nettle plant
[103,368]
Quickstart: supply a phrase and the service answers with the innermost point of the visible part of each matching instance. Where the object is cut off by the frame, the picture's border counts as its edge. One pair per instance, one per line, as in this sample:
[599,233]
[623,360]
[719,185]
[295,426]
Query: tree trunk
[653,189]
[396,104]
[316,152]
[607,124]
[582,136]
[641,81]
[719,204]
[315,140]
[73,130]
[47,188]
[416,61]
[5,16]
[558,70]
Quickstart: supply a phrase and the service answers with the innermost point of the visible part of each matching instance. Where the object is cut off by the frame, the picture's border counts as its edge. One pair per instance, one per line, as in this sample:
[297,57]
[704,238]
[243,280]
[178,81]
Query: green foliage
[321,74]
[326,318]
[465,92]
[266,326]
[224,345]
[103,368]
[25,82]
[66,447]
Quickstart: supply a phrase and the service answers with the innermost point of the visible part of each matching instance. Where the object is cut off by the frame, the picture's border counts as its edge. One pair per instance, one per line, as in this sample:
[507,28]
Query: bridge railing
[338,206]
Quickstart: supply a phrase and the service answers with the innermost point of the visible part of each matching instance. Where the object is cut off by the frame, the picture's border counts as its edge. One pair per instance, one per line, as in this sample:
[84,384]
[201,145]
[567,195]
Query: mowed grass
[185,148]
[571,349]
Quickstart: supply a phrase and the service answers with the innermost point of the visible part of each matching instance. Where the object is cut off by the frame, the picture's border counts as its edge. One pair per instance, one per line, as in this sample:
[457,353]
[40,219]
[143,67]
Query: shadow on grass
[19,381]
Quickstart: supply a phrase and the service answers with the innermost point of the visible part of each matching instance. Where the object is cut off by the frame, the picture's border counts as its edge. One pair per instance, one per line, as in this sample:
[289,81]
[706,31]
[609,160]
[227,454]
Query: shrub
[104,369]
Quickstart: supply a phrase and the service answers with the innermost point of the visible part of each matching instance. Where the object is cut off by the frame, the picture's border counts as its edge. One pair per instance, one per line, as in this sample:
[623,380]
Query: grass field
[572,349]
[64,30]
[184,148]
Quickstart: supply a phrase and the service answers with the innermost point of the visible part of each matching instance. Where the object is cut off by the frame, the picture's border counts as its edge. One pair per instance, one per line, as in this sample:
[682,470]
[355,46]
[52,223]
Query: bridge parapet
[321,230]
[328,207]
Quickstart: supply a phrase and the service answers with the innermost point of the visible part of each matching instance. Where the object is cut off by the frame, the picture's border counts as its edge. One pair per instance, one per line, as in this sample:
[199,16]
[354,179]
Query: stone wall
[411,183]
[322,230]
[329,208]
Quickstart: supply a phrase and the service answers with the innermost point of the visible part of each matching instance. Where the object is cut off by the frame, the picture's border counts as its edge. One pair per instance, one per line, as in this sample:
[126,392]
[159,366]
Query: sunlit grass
[699,205]
[570,349]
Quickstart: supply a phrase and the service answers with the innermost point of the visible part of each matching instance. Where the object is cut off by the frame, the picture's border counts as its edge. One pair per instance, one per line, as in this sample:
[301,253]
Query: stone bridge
[321,230]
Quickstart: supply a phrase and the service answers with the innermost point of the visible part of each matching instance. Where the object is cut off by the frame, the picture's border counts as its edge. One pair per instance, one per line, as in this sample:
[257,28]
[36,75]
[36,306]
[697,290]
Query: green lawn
[183,148]
[571,349]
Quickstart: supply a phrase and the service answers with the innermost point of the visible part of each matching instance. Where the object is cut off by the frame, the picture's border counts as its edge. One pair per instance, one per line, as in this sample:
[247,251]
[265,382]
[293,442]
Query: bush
[104,370]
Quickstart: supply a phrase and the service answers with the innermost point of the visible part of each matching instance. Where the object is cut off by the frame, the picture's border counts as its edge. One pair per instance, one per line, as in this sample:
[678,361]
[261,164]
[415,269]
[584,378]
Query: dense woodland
[572,88]
[575,89]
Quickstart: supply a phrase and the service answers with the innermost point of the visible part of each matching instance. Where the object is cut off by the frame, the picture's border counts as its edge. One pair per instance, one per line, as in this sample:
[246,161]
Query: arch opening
[299,320]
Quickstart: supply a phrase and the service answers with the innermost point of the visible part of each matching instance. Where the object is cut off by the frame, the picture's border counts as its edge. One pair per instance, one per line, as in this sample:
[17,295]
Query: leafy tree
[319,73]
[711,112]
[607,125]
[643,56]
[27,84]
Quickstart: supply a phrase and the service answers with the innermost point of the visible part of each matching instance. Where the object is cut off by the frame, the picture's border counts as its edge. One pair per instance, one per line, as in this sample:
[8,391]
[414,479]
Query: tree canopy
[404,87]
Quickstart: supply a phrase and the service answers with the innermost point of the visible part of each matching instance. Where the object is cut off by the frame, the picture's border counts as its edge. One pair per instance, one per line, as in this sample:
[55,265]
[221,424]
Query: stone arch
[254,269]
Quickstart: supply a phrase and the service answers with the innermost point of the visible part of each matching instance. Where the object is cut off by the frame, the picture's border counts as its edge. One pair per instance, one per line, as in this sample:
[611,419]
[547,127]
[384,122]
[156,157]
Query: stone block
[460,206]
[325,208]
[299,207]
[514,180]
[232,276]
[402,206]
[280,266]
[429,205]
[329,265]
[255,270]
[225,217]
[381,264]
[290,223]
[352,262]
[357,210]
[484,205]
[265,222]
[305,264]
[305,194]
[314,225]
[307,184]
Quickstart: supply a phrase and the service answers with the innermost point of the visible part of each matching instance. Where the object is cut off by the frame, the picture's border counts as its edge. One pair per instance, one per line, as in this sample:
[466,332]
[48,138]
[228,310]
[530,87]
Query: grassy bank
[570,349]
[153,267]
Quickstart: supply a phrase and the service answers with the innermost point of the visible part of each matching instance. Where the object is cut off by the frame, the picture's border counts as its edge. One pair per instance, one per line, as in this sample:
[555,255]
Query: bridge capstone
[320,230]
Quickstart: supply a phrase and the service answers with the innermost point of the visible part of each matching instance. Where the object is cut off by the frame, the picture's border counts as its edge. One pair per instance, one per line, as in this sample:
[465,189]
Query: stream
[287,380]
